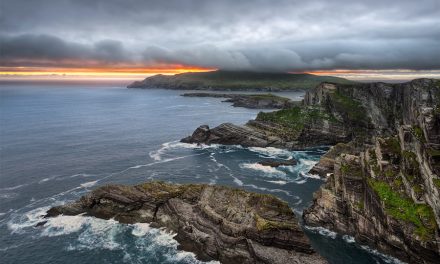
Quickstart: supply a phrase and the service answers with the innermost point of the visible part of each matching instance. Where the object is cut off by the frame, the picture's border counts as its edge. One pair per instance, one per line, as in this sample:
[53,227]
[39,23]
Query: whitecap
[19,223]
[272,152]
[322,231]
[237,181]
[13,187]
[300,181]
[278,182]
[313,176]
[140,229]
[348,239]
[88,184]
[266,169]
[385,258]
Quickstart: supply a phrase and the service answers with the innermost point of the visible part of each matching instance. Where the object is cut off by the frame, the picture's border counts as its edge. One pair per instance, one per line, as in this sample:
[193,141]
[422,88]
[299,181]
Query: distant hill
[236,81]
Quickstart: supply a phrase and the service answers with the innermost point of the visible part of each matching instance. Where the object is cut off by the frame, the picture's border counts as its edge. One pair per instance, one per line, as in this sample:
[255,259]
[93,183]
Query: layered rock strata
[215,222]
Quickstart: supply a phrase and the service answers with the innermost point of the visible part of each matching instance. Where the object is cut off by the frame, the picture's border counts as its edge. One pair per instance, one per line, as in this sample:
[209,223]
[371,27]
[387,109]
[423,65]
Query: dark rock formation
[277,163]
[215,222]
[253,101]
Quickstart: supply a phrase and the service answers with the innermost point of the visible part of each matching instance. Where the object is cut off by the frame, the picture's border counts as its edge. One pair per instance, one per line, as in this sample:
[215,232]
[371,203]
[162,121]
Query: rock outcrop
[384,189]
[215,222]
[253,101]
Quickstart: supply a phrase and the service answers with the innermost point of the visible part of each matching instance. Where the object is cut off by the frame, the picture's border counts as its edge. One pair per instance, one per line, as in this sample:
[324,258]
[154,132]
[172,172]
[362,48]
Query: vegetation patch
[418,133]
[353,170]
[264,224]
[269,96]
[350,108]
[436,183]
[403,208]
[294,119]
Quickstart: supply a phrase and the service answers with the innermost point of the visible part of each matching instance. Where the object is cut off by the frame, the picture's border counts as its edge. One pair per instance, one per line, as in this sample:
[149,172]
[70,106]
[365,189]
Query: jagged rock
[230,134]
[215,222]
[253,101]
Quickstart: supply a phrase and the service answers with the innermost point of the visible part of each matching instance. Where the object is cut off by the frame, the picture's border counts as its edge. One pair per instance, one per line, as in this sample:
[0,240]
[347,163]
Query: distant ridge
[236,81]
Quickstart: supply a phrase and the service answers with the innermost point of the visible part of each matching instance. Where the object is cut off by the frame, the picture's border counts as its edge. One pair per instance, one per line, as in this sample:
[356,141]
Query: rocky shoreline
[252,101]
[383,171]
[215,222]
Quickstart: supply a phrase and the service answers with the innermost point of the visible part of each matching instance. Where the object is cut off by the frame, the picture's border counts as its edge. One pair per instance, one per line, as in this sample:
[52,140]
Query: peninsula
[235,81]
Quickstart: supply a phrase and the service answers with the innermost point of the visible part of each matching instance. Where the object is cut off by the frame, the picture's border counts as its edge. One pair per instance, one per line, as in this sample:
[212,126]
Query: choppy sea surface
[57,142]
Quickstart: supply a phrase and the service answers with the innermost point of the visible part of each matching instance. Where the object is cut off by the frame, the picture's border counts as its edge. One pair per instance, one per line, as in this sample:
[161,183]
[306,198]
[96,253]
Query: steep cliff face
[383,188]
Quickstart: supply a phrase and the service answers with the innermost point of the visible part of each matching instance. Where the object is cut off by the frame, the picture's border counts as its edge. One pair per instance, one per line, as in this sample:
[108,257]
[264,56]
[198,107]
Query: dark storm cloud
[35,48]
[252,35]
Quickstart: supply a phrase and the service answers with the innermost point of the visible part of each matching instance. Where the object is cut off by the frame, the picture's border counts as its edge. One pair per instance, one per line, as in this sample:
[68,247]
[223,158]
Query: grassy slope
[253,80]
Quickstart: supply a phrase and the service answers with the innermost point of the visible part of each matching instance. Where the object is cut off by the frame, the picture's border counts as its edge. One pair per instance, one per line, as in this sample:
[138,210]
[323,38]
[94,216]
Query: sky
[374,39]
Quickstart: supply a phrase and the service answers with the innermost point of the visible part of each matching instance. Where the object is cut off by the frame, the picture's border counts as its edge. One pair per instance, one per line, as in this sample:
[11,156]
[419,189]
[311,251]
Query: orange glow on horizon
[98,72]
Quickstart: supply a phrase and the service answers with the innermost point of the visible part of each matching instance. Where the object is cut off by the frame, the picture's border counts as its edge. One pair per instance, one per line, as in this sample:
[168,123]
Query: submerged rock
[215,222]
[277,163]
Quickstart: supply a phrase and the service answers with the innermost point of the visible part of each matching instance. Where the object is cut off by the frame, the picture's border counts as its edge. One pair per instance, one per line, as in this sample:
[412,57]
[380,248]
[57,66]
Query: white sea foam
[62,225]
[385,258]
[348,239]
[266,169]
[88,184]
[19,223]
[159,154]
[278,182]
[272,152]
[322,231]
[13,187]
[80,175]
[302,181]
[237,181]
[140,229]
[313,176]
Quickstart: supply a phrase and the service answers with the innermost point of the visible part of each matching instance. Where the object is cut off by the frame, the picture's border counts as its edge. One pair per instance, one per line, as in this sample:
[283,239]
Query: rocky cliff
[385,191]
[215,222]
[383,171]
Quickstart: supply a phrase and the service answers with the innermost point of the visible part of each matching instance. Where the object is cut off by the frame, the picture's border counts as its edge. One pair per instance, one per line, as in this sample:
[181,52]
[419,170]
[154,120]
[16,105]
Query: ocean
[59,141]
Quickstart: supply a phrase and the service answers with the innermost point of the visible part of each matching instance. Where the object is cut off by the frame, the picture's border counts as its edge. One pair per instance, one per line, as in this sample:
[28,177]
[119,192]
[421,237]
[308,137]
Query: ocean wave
[322,231]
[278,182]
[158,154]
[385,258]
[19,223]
[266,169]
[348,239]
[89,184]
[13,187]
[90,233]
[272,152]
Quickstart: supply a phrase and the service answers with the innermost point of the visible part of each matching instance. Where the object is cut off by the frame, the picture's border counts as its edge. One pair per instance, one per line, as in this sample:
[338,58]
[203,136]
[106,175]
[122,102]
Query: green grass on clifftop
[294,119]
